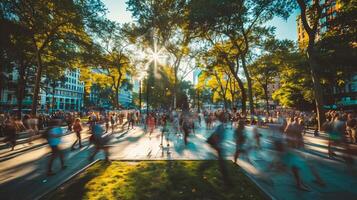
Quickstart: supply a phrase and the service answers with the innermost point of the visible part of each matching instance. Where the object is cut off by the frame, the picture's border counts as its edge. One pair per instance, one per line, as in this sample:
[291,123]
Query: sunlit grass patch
[158,180]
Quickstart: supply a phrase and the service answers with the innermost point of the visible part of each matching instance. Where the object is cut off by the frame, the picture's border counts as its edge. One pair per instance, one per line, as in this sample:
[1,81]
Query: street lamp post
[147,96]
[140,96]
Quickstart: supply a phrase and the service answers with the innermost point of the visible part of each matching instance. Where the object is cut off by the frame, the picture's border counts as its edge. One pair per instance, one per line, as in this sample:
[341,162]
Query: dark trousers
[56,152]
[78,134]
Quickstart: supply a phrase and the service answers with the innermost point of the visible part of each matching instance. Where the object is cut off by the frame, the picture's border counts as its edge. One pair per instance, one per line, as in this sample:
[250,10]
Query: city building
[195,76]
[9,92]
[335,97]
[126,94]
[99,98]
[67,95]
[329,11]
[344,97]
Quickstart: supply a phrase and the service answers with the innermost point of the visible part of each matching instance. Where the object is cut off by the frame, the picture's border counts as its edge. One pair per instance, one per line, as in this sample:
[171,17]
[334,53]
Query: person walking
[216,142]
[256,133]
[77,127]
[186,126]
[131,120]
[240,138]
[351,126]
[10,132]
[53,134]
[165,130]
[69,121]
[150,123]
[100,140]
[106,120]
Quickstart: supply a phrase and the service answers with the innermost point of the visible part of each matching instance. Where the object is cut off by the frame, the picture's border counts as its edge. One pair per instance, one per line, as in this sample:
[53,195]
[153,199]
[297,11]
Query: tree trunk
[116,98]
[266,97]
[198,101]
[240,85]
[317,86]
[175,90]
[53,97]
[231,90]
[117,87]
[244,96]
[225,104]
[140,96]
[249,83]
[37,83]
[312,31]
[21,88]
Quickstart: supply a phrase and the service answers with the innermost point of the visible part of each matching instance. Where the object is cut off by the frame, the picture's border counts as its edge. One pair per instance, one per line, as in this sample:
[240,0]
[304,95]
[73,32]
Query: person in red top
[77,127]
[151,123]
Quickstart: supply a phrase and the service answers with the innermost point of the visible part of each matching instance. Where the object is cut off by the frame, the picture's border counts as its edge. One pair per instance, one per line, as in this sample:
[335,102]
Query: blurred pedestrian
[216,142]
[185,123]
[100,141]
[256,133]
[77,127]
[69,121]
[351,126]
[53,134]
[150,123]
[106,121]
[240,139]
[10,132]
[130,118]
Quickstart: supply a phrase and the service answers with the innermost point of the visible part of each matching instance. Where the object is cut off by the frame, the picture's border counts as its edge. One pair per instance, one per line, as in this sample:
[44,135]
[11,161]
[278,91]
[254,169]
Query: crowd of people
[288,127]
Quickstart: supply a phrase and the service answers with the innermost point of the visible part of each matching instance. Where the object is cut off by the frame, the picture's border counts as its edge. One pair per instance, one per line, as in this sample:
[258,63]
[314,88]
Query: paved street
[24,176]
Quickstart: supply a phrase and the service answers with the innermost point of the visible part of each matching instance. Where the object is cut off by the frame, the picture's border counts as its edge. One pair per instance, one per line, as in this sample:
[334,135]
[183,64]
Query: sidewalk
[29,168]
[339,178]
[24,137]
[23,145]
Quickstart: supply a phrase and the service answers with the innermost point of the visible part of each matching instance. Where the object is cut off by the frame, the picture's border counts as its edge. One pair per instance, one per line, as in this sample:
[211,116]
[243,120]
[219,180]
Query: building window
[353,87]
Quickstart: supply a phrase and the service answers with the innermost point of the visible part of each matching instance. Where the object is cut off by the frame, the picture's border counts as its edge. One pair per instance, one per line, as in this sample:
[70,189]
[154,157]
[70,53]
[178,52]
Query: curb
[42,196]
[15,153]
[18,153]
[264,191]
[37,146]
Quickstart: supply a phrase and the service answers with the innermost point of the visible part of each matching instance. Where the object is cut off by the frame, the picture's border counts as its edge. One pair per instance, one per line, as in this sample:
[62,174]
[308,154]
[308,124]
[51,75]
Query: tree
[311,24]
[337,48]
[216,76]
[16,54]
[295,90]
[114,61]
[274,56]
[240,24]
[162,24]
[50,22]
[264,71]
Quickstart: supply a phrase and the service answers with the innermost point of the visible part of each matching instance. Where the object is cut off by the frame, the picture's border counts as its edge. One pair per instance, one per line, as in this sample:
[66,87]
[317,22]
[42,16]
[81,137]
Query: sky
[285,29]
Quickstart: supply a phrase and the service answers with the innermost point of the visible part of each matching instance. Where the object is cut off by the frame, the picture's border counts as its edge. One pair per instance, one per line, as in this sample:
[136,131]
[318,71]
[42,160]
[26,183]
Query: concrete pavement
[27,172]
